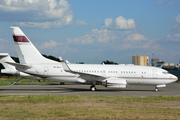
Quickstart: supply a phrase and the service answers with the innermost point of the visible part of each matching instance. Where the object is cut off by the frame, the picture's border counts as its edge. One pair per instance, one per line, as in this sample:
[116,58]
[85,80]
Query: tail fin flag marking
[20,39]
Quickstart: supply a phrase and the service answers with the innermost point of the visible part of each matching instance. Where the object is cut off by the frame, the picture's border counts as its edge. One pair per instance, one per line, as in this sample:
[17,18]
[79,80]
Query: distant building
[140,60]
[169,66]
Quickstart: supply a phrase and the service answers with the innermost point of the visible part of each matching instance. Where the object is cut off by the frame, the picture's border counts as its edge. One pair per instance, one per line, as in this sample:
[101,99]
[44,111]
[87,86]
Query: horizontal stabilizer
[19,65]
[3,54]
[4,57]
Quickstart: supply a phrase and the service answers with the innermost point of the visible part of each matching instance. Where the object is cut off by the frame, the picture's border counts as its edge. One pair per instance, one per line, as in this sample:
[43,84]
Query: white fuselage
[134,74]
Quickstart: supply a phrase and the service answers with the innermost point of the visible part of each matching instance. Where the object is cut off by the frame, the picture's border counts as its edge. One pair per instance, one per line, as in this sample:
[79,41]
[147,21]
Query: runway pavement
[53,88]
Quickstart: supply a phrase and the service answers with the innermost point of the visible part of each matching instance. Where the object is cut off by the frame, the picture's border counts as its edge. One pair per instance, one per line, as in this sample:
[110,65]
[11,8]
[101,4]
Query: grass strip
[81,99]
[20,107]
[5,80]
[21,111]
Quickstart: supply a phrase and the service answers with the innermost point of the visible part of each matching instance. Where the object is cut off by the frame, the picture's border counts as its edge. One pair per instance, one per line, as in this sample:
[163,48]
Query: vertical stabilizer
[27,52]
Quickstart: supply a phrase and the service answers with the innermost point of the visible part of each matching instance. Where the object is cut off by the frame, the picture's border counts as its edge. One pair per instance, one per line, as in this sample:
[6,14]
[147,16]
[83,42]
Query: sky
[92,31]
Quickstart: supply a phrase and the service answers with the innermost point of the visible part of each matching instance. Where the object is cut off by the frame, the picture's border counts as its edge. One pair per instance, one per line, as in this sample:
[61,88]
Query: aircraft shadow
[105,90]
[67,90]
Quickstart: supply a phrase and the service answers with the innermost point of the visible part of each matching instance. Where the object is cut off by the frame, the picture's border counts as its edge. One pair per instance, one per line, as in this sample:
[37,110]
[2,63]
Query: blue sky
[93,31]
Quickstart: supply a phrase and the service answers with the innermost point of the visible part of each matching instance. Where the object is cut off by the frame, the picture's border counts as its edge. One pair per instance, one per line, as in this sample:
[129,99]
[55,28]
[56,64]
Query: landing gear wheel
[93,88]
[156,89]
[61,83]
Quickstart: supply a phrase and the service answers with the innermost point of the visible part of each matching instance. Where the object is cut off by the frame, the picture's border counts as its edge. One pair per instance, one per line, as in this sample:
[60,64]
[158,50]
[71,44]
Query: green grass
[86,112]
[10,80]
[88,107]
[81,99]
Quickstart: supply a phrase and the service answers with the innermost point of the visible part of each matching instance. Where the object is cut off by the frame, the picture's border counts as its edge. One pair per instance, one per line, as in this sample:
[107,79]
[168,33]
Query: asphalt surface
[53,88]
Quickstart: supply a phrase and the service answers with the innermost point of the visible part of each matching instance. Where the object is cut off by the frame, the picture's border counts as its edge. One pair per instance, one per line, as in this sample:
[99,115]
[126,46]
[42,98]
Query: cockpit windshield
[165,72]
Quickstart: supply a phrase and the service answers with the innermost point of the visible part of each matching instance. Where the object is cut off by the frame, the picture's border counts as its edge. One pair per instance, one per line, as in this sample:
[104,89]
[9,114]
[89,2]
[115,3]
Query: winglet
[64,65]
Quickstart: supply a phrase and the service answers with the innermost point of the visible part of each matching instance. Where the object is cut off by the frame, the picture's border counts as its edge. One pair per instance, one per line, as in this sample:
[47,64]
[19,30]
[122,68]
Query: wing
[86,76]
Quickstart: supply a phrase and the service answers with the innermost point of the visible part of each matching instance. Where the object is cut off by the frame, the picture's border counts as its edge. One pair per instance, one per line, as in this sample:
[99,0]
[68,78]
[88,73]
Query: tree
[109,62]
[15,59]
[51,57]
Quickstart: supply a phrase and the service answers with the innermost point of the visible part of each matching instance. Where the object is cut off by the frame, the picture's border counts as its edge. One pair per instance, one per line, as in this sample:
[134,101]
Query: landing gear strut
[16,81]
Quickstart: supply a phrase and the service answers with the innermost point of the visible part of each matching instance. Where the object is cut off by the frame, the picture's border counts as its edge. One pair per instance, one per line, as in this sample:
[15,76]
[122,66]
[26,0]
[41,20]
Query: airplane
[9,69]
[110,76]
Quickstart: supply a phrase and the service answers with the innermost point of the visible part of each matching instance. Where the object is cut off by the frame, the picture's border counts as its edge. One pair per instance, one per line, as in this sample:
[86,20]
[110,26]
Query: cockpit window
[165,72]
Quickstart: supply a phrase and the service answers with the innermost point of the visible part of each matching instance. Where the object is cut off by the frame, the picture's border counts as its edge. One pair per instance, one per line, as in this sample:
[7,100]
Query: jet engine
[115,83]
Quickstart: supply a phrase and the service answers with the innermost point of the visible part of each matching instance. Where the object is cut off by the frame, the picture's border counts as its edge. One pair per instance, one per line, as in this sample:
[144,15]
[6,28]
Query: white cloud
[96,36]
[6,46]
[122,23]
[159,2]
[175,37]
[2,40]
[171,3]
[118,40]
[176,30]
[178,18]
[79,22]
[136,37]
[50,44]
[108,22]
[119,23]
[44,13]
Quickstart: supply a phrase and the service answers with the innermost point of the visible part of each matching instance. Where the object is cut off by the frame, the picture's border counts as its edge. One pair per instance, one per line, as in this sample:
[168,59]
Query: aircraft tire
[156,89]
[61,83]
[93,88]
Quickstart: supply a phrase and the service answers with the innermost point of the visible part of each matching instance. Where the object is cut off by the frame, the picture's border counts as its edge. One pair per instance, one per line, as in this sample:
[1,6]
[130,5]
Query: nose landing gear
[156,89]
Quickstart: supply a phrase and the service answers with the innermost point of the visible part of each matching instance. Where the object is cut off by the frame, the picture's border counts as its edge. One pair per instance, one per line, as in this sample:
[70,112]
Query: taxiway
[53,88]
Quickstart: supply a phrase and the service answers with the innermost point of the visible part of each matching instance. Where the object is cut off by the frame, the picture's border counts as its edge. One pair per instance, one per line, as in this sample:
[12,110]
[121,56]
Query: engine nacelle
[115,83]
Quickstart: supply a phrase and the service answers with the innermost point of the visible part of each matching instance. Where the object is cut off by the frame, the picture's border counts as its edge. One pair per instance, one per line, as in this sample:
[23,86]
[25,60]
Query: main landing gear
[93,88]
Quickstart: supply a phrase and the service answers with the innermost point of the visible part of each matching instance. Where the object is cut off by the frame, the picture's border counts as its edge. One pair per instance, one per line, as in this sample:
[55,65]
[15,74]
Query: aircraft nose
[174,78]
